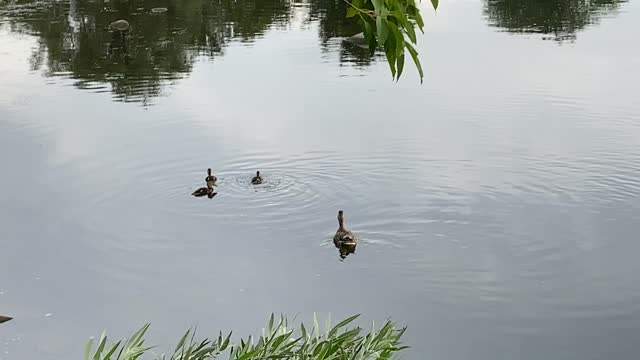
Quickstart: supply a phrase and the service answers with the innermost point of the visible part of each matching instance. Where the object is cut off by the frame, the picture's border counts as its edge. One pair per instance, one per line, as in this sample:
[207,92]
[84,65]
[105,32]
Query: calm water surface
[498,203]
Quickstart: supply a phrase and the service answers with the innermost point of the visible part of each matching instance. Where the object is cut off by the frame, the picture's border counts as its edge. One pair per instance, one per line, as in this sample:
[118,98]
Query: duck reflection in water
[208,191]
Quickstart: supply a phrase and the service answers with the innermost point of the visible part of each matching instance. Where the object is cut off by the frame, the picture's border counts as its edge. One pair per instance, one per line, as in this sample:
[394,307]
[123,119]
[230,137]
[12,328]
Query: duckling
[343,236]
[205,191]
[257,179]
[210,180]
[4,319]
[345,249]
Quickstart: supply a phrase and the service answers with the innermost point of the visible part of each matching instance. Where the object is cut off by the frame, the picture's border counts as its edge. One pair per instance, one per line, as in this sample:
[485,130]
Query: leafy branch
[391,25]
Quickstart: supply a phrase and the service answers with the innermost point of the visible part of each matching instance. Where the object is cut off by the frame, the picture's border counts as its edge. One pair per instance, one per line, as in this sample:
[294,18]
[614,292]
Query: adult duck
[257,179]
[210,179]
[343,237]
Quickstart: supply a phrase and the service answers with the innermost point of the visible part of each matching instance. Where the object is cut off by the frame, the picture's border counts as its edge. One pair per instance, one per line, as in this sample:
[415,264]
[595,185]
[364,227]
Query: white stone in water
[119,25]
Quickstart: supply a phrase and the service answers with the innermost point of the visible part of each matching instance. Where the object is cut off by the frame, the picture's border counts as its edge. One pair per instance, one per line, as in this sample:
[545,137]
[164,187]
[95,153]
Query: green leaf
[390,50]
[383,30]
[87,350]
[342,324]
[225,343]
[271,323]
[435,4]
[400,65]
[370,38]
[419,21]
[112,350]
[351,12]
[414,55]
[411,32]
[406,25]
[316,327]
[101,345]
[249,354]
[391,59]
[182,340]
[399,39]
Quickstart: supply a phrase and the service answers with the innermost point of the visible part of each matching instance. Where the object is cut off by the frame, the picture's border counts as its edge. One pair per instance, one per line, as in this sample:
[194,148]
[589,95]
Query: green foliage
[278,341]
[390,25]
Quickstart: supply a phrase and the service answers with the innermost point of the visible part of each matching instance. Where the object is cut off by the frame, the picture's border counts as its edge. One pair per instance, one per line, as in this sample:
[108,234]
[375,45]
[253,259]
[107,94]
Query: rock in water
[120,25]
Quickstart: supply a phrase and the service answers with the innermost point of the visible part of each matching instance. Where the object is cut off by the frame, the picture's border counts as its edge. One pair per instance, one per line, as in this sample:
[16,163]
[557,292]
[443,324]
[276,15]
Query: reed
[278,341]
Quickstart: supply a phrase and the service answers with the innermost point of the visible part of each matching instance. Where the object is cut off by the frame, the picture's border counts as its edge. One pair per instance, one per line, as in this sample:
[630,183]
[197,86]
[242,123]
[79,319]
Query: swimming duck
[257,179]
[205,191]
[4,319]
[210,180]
[343,236]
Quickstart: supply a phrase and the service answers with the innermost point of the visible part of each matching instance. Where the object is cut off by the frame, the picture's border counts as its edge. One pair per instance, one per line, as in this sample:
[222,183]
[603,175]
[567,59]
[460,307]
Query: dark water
[498,204]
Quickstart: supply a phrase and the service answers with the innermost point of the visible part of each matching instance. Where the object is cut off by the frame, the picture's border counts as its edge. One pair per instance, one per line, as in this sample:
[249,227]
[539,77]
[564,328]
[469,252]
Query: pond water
[497,204]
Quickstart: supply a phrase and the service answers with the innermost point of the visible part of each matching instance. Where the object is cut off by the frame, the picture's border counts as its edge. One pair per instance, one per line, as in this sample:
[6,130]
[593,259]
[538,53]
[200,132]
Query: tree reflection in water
[559,20]
[76,41]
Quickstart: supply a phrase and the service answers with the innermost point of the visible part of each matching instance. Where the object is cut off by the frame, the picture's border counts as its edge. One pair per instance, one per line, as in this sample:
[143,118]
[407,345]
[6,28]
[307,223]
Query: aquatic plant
[278,341]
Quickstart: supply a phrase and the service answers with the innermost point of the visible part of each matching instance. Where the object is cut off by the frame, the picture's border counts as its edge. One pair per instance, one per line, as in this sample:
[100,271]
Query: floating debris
[159,10]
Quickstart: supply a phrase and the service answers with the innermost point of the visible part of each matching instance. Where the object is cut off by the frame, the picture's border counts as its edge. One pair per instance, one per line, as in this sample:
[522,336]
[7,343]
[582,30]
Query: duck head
[341,219]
